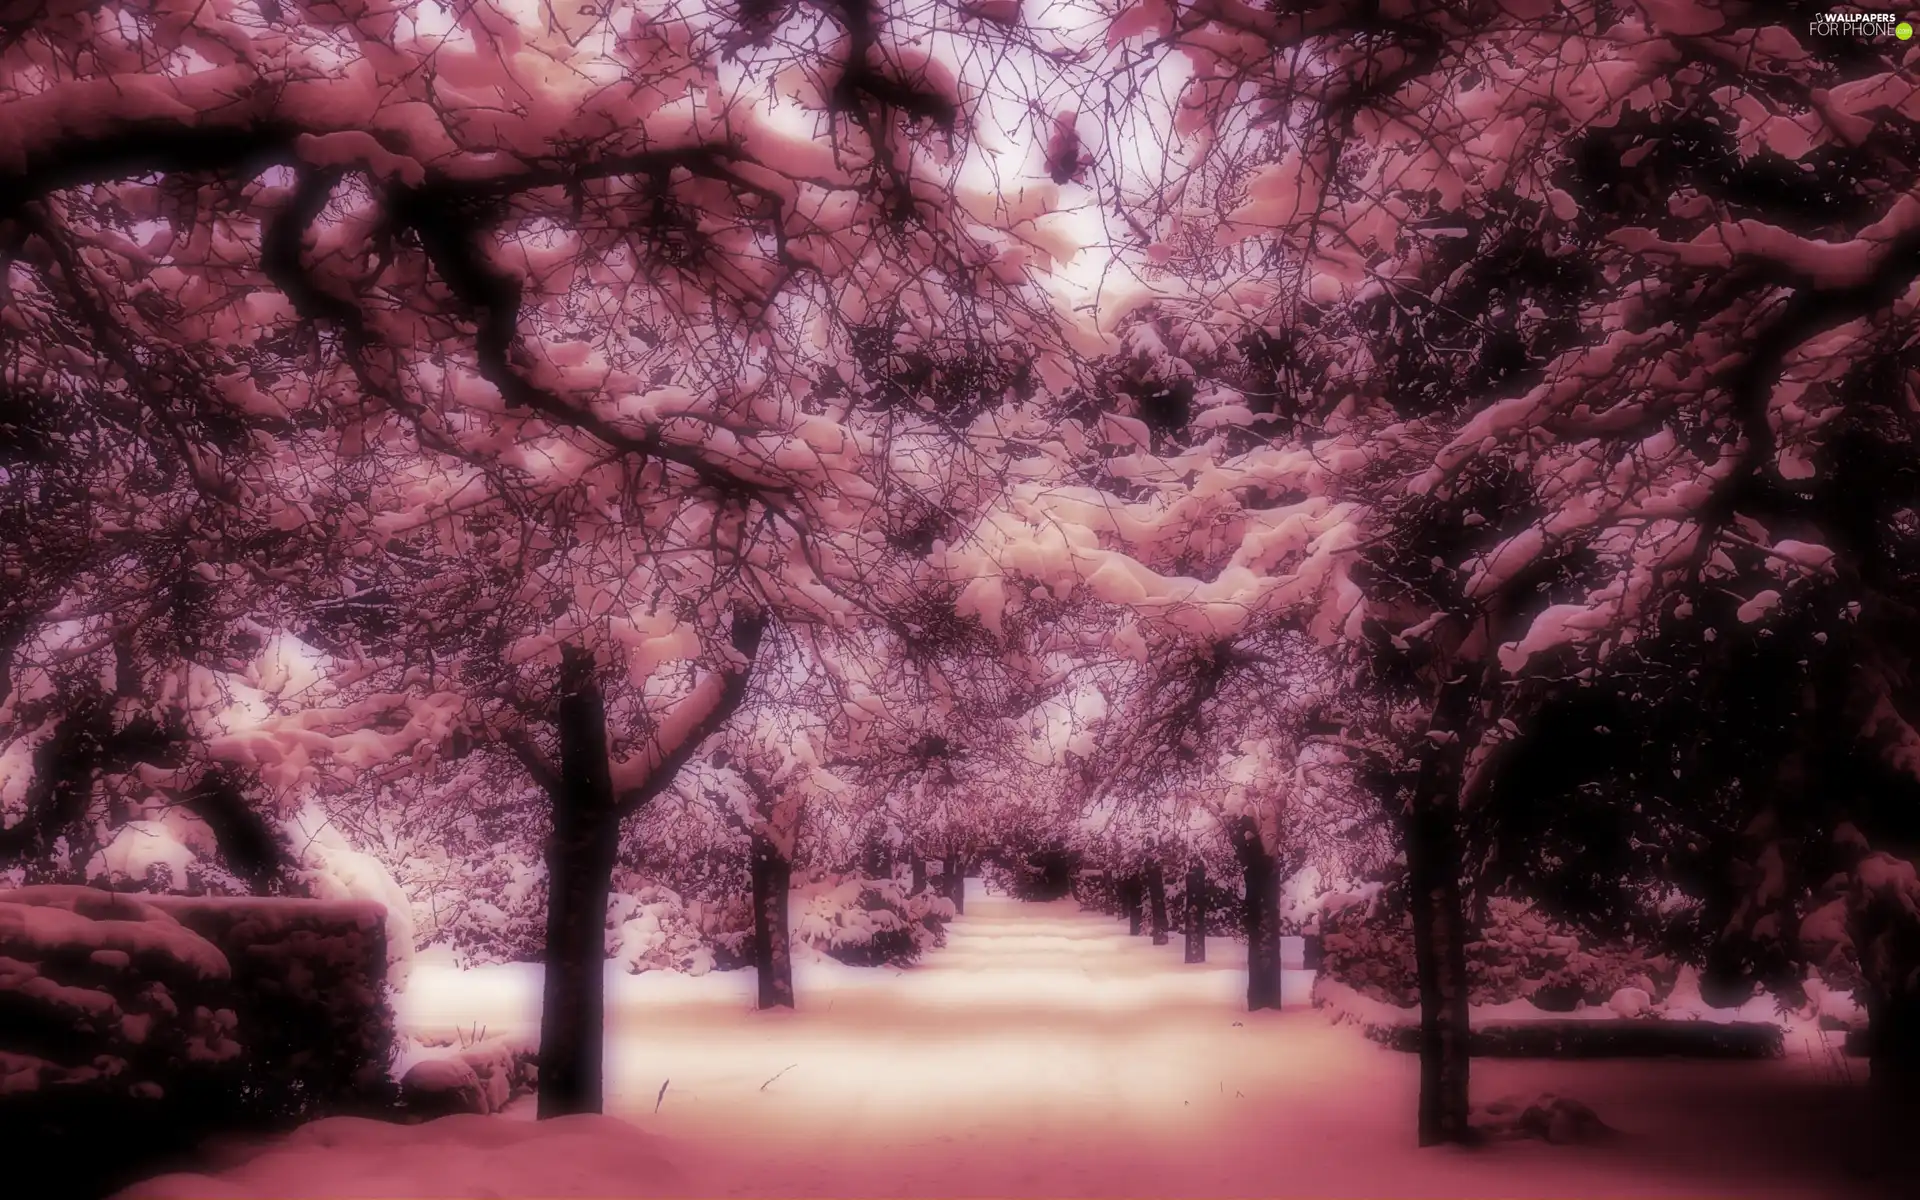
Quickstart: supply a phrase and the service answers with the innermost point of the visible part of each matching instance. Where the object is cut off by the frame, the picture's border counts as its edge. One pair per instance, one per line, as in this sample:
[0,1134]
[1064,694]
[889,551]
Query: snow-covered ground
[1044,1053]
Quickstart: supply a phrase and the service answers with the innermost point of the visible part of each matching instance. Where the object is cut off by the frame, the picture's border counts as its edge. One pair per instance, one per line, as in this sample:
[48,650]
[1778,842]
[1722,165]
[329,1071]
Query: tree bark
[580,858]
[919,873]
[1157,902]
[1196,913]
[1260,917]
[1439,917]
[1132,897]
[955,882]
[772,949]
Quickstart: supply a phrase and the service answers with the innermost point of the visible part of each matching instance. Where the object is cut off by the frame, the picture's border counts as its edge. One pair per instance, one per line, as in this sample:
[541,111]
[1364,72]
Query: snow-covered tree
[1567,303]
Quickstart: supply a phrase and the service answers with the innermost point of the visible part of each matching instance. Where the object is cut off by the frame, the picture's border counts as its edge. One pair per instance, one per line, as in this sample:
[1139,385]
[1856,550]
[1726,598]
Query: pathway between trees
[1044,1052]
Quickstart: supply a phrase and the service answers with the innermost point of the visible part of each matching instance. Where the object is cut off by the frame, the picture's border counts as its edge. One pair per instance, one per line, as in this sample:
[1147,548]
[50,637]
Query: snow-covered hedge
[652,927]
[104,991]
[309,987]
[1629,1025]
[117,1041]
[1521,953]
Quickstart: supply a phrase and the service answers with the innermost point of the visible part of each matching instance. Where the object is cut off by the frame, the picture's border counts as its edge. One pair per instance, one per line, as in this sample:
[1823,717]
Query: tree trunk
[580,858]
[772,951]
[1260,917]
[1886,935]
[955,882]
[1157,901]
[879,860]
[1132,898]
[1893,1038]
[1196,913]
[1439,918]
[919,873]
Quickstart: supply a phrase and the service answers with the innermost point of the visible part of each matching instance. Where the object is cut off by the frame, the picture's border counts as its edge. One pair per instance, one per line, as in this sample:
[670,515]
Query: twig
[778,1074]
[662,1095]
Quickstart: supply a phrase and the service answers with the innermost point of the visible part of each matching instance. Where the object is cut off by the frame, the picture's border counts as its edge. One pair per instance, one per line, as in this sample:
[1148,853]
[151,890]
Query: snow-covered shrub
[653,929]
[1519,953]
[1099,891]
[1367,943]
[332,868]
[500,1069]
[1523,952]
[1037,875]
[932,911]
[867,922]
[1095,891]
[727,926]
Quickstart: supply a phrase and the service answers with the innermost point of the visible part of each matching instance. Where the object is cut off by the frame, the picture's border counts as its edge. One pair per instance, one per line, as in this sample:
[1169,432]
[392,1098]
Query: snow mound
[352,1158]
[1560,1120]
[443,1085]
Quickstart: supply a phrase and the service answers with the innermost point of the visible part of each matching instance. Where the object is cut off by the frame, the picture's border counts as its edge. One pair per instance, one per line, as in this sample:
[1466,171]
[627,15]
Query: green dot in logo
[1903,31]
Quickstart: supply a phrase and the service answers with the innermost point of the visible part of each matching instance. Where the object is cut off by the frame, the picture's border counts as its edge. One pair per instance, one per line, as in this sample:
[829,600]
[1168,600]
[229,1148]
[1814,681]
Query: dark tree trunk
[879,860]
[1886,935]
[1893,1038]
[1893,1031]
[1132,896]
[955,882]
[1196,914]
[580,857]
[1260,917]
[919,873]
[580,860]
[1439,918]
[1157,902]
[772,951]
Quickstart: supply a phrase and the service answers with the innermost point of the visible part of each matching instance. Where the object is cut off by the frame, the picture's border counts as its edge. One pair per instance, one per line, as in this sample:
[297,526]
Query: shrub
[653,929]
[868,922]
[1520,953]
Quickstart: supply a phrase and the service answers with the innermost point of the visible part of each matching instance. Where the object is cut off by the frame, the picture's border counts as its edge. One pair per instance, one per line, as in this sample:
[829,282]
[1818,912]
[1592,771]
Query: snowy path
[1043,1052]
